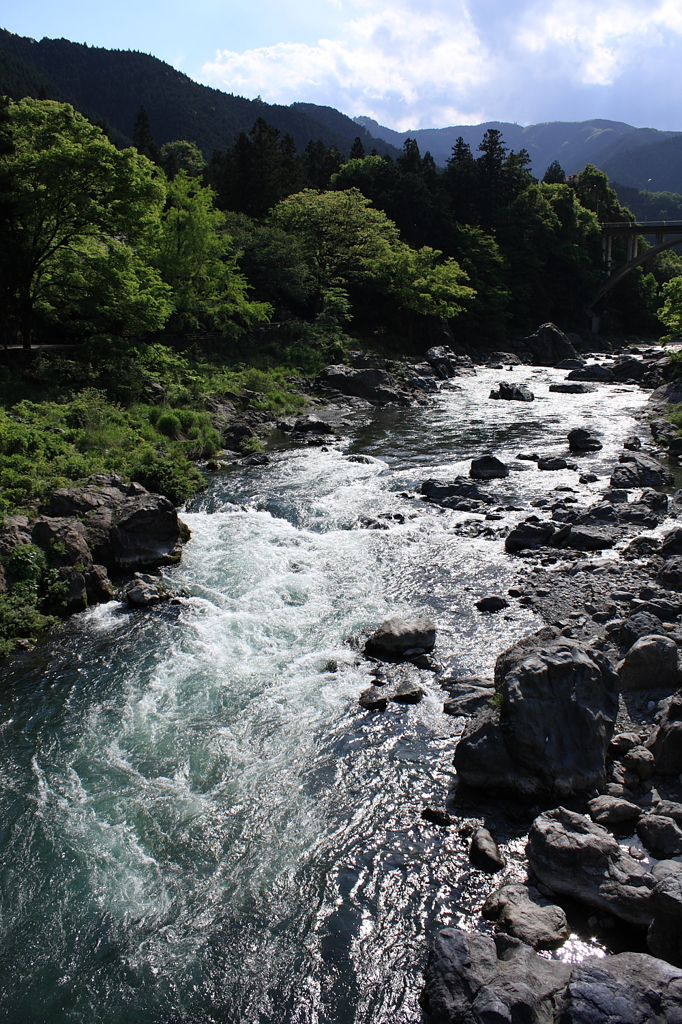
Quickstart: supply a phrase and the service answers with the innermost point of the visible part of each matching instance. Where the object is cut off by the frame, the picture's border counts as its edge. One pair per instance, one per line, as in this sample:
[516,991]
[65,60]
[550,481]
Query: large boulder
[549,346]
[375,386]
[664,937]
[439,491]
[573,388]
[488,467]
[521,911]
[573,856]
[65,538]
[651,662]
[472,978]
[596,372]
[127,527]
[528,536]
[396,636]
[14,533]
[637,470]
[582,440]
[665,742]
[550,728]
[512,392]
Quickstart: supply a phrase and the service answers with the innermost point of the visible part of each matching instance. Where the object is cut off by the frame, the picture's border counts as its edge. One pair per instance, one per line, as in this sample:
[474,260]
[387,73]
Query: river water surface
[198,823]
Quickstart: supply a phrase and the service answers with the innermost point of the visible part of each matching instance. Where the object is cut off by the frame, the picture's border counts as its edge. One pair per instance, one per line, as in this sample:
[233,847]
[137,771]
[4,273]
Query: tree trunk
[26,324]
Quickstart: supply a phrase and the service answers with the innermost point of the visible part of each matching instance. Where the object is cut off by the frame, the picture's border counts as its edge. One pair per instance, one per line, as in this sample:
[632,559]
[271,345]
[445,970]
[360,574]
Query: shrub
[169,424]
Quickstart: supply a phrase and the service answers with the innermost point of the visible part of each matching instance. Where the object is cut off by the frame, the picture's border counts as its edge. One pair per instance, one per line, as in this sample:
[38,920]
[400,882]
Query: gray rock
[75,597]
[589,538]
[672,543]
[98,586]
[549,345]
[569,364]
[632,443]
[596,372]
[65,538]
[665,742]
[637,470]
[472,978]
[664,937]
[611,810]
[512,392]
[374,698]
[662,836]
[521,911]
[628,368]
[549,737]
[651,662]
[621,743]
[639,625]
[488,467]
[374,385]
[468,701]
[664,868]
[670,809]
[396,635]
[670,575]
[145,591]
[407,692]
[581,440]
[528,536]
[575,857]
[440,357]
[553,463]
[484,852]
[438,491]
[309,423]
[14,533]
[639,760]
[572,389]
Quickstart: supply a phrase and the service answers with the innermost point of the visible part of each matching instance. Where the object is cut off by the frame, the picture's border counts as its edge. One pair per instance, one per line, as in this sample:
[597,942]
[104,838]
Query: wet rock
[596,372]
[589,538]
[572,388]
[98,586]
[512,392]
[569,364]
[639,625]
[650,662]
[554,463]
[632,443]
[145,591]
[672,543]
[407,692]
[310,423]
[438,491]
[548,731]
[637,470]
[627,368]
[521,911]
[472,978]
[574,856]
[435,816]
[665,742]
[494,603]
[655,500]
[549,345]
[664,432]
[442,359]
[588,478]
[664,937]
[469,701]
[396,635]
[484,852]
[259,459]
[662,836]
[528,536]
[373,385]
[374,698]
[581,440]
[612,810]
[664,868]
[488,467]
[65,538]
[670,809]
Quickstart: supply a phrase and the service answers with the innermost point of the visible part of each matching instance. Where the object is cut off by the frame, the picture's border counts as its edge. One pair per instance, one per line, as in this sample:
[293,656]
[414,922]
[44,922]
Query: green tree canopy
[182,155]
[670,313]
[75,203]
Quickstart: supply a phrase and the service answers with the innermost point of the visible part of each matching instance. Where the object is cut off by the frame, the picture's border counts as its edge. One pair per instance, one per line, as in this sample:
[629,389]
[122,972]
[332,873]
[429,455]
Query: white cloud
[441,62]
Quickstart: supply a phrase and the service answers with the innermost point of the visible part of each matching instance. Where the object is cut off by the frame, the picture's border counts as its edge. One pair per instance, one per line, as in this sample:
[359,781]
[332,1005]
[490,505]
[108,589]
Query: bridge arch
[658,228]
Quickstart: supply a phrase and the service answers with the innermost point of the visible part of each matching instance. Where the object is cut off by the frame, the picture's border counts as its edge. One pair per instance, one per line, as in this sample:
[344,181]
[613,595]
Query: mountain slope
[113,84]
[572,143]
[661,162]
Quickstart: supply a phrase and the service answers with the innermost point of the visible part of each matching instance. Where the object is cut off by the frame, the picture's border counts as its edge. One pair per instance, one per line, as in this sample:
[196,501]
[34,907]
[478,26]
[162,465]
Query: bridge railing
[623,225]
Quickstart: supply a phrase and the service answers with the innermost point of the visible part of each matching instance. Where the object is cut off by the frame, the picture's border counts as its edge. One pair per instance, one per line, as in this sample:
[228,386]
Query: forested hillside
[659,164]
[111,85]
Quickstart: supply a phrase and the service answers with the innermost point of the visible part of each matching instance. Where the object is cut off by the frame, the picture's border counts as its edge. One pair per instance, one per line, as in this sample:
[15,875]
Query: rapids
[198,823]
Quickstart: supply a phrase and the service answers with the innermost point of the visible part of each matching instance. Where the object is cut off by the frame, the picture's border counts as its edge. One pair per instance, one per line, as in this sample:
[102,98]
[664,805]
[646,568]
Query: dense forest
[159,286]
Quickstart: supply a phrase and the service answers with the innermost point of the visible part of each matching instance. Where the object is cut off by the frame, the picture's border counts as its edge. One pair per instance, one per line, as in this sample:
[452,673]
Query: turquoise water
[197,821]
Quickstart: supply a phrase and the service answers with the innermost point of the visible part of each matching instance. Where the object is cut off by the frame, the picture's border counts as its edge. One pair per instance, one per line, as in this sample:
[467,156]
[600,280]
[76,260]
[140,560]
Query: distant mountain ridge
[111,85]
[572,143]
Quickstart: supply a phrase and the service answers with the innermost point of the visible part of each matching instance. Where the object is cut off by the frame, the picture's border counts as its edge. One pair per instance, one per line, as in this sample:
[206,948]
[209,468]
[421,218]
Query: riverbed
[198,822]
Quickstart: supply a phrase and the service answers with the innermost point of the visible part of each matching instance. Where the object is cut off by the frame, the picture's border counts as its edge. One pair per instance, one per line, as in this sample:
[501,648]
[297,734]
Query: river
[198,822]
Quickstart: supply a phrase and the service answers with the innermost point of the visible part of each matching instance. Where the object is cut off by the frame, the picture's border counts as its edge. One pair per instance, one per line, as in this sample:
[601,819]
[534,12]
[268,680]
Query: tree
[348,243]
[460,182]
[194,257]
[320,163]
[554,175]
[258,171]
[182,155]
[75,198]
[490,173]
[357,150]
[143,139]
[670,313]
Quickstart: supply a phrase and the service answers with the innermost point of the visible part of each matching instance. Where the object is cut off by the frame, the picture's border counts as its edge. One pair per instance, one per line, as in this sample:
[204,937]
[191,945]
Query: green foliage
[670,313]
[182,155]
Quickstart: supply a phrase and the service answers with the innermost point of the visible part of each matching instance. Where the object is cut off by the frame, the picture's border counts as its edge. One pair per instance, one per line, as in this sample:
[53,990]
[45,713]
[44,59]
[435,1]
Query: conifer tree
[357,150]
[143,140]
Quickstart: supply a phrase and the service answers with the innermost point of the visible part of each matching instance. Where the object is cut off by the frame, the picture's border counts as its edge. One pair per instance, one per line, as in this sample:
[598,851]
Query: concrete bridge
[667,233]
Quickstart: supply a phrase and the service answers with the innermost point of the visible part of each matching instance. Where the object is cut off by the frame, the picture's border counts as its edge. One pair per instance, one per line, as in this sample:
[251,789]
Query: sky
[408,63]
